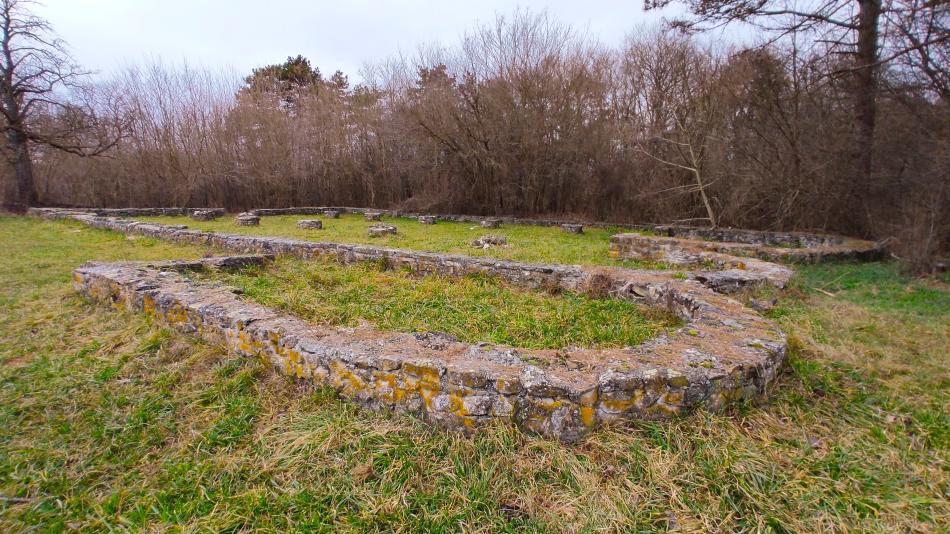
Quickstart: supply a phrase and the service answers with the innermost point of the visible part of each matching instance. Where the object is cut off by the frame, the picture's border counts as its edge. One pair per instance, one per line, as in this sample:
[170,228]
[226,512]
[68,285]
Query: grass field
[536,244]
[108,422]
[473,308]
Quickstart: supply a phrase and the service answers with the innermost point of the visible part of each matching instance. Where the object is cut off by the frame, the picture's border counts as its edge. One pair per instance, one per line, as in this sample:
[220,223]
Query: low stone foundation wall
[682,251]
[731,235]
[724,354]
[150,212]
[809,247]
[569,277]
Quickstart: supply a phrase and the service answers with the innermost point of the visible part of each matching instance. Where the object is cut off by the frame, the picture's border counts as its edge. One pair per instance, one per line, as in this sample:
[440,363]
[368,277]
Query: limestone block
[310,224]
[379,230]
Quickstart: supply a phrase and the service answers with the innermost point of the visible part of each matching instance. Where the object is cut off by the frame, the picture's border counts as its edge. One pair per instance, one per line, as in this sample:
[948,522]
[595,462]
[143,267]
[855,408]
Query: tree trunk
[865,91]
[24,194]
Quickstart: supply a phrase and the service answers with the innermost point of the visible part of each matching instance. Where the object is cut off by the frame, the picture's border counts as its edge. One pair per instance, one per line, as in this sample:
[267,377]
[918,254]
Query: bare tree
[36,72]
[851,27]
[684,111]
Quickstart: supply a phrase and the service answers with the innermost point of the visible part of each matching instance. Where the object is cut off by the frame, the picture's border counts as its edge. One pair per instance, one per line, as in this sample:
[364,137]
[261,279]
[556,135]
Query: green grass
[536,244]
[473,308]
[108,422]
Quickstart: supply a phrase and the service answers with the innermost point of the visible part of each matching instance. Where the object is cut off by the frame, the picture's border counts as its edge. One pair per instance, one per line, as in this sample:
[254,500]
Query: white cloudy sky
[338,34]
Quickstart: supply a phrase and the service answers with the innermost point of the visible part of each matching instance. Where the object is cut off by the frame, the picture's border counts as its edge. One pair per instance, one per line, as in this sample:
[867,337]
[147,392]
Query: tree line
[527,116]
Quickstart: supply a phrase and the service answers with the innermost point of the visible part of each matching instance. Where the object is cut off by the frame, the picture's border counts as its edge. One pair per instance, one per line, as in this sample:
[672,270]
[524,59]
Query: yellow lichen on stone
[176,314]
[588,416]
[148,305]
[457,405]
[243,343]
[345,380]
[673,398]
[424,372]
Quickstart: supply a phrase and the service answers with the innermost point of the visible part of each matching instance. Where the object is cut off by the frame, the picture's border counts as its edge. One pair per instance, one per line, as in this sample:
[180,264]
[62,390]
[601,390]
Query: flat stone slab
[310,224]
[427,219]
[372,215]
[490,223]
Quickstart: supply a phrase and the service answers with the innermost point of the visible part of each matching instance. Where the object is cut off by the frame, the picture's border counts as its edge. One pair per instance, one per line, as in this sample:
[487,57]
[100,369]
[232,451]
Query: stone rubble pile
[488,241]
[573,228]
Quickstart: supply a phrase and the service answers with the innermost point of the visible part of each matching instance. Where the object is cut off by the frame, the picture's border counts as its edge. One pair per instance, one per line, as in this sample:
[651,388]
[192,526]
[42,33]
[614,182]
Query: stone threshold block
[247,219]
[725,353]
[310,224]
[379,230]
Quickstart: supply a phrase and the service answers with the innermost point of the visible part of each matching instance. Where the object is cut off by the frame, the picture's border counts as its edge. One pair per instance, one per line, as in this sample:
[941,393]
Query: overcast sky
[339,34]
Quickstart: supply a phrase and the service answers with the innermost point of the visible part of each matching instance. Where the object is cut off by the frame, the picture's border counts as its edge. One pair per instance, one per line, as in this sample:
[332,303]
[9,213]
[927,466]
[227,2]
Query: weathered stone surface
[332,214]
[488,241]
[379,230]
[427,219]
[247,219]
[310,224]
[490,223]
[206,215]
[372,215]
[573,228]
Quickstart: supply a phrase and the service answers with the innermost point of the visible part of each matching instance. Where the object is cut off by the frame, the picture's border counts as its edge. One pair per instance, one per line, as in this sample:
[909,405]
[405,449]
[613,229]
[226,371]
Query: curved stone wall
[725,353]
